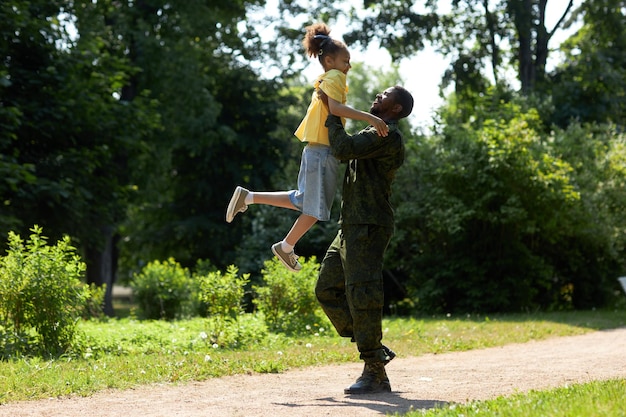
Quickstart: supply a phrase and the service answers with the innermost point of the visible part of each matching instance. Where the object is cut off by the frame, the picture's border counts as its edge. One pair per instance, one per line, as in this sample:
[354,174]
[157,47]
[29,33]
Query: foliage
[162,290]
[287,299]
[221,296]
[504,219]
[243,331]
[67,135]
[41,296]
[223,293]
[475,34]
[591,253]
[589,86]
[94,305]
[126,125]
[218,118]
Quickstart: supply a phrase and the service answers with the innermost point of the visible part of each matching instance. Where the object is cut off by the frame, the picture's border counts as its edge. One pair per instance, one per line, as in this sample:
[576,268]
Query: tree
[216,118]
[149,103]
[589,86]
[474,33]
[68,133]
[506,218]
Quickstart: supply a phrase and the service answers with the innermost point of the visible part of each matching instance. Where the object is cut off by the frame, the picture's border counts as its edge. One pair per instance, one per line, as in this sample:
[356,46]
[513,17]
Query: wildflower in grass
[207,358]
[215,345]
[309,346]
[203,335]
[88,353]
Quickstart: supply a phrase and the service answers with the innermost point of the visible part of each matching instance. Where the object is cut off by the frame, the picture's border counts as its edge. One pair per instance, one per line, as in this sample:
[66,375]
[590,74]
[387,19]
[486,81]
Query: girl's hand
[381,127]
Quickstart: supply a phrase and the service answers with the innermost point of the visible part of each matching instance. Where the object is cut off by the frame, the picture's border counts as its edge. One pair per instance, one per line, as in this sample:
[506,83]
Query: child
[317,179]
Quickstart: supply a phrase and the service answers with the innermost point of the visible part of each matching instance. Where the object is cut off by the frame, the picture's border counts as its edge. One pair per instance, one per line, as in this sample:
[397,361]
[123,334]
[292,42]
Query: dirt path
[417,382]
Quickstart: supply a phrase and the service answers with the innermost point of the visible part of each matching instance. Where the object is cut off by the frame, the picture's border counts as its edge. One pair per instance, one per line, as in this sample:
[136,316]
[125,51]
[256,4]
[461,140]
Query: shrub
[507,217]
[162,290]
[244,331]
[41,295]
[222,294]
[287,299]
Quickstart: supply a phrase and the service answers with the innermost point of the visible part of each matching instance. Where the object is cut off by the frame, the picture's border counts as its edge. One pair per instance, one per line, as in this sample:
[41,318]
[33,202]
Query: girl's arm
[342,110]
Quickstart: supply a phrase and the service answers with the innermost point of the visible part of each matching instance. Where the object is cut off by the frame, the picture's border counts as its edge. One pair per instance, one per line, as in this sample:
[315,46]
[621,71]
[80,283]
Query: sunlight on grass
[125,353]
[598,399]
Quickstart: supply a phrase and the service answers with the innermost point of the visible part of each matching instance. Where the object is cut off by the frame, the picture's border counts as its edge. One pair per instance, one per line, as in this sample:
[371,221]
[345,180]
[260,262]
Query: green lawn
[125,353]
[594,399]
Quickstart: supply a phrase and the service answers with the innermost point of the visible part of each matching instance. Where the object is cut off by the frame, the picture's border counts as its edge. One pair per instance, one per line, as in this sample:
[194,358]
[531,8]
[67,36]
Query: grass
[124,353]
[593,399]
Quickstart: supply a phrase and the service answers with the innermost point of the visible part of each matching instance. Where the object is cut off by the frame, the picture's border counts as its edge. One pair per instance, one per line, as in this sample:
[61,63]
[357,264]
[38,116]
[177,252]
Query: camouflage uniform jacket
[372,165]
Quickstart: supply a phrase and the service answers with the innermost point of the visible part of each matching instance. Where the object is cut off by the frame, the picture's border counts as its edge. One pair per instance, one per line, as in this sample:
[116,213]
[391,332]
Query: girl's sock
[249,198]
[286,247]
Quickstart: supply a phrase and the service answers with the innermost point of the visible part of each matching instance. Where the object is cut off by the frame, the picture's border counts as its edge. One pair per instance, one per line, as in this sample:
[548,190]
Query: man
[350,283]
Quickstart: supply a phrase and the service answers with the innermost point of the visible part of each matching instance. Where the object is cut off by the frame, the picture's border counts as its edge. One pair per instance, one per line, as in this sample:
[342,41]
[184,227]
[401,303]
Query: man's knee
[330,278]
[367,295]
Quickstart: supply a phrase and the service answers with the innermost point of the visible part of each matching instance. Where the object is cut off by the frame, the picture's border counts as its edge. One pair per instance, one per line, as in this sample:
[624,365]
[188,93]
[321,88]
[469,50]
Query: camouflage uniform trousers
[350,286]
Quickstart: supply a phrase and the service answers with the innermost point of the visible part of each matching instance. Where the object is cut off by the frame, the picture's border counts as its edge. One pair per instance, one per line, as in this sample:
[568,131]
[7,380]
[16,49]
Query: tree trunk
[522,14]
[541,54]
[102,267]
[491,24]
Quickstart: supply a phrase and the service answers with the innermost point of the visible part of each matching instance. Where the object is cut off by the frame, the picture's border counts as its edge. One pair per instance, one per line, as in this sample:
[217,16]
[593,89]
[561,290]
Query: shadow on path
[382,403]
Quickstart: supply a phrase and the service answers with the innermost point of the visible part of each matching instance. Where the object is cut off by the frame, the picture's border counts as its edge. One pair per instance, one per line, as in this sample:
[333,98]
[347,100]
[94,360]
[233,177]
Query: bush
[509,217]
[244,331]
[163,290]
[287,299]
[222,294]
[41,295]
[221,298]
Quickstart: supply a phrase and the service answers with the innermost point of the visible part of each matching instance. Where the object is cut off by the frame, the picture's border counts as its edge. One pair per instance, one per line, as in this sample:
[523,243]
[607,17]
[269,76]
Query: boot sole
[377,390]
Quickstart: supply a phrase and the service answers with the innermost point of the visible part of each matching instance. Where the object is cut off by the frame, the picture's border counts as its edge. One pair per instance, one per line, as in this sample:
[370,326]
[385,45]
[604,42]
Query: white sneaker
[237,203]
[290,260]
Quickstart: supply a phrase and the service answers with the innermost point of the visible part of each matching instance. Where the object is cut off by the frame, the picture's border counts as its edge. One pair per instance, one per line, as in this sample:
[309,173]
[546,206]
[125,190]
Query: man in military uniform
[350,283]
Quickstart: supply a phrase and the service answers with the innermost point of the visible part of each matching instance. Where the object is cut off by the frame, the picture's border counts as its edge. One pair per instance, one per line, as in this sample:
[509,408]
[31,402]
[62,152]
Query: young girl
[317,179]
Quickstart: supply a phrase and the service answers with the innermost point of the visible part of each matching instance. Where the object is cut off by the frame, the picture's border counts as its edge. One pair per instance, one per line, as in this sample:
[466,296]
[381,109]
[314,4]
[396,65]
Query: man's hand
[322,96]
[381,127]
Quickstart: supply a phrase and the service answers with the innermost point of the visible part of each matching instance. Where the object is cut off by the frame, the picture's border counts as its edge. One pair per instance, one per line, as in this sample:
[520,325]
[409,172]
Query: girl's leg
[242,198]
[276,199]
[302,225]
[284,249]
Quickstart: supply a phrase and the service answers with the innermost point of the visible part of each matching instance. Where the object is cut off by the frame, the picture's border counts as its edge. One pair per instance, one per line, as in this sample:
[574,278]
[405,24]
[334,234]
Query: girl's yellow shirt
[312,129]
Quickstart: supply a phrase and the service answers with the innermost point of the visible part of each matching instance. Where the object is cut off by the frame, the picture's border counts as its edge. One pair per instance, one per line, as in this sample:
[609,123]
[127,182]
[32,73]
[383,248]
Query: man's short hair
[405,99]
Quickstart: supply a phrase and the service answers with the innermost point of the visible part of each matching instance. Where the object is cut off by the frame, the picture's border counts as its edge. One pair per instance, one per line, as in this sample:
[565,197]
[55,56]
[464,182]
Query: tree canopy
[126,125]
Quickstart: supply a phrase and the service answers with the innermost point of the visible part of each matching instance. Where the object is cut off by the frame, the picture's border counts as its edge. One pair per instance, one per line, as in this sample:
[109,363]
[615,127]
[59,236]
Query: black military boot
[374,379]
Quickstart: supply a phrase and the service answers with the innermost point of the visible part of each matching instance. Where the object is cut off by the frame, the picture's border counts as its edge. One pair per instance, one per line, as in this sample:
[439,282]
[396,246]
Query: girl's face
[340,61]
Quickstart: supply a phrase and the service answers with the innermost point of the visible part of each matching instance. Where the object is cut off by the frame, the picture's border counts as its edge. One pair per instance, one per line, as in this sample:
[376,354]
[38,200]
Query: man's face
[383,103]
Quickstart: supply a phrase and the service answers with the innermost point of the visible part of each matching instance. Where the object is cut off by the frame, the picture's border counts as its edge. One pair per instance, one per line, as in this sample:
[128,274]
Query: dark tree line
[126,125]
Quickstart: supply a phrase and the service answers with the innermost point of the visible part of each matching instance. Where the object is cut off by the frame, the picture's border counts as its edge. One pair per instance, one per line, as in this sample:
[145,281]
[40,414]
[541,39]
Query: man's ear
[397,108]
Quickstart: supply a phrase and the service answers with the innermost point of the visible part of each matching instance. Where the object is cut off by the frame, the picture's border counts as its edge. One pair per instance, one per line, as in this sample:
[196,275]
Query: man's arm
[365,144]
